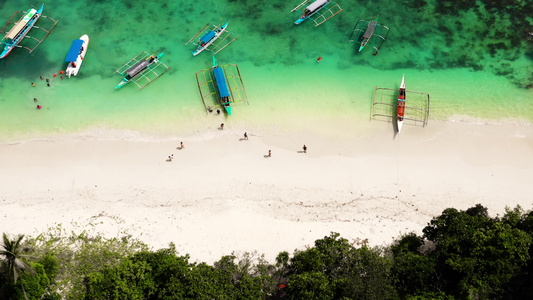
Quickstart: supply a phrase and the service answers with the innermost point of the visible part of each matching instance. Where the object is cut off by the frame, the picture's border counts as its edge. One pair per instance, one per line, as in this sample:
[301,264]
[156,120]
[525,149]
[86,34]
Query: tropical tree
[11,254]
[335,269]
[476,255]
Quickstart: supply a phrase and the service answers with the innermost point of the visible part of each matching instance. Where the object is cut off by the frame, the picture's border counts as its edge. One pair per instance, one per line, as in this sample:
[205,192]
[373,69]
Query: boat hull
[74,67]
[218,33]
[401,105]
[122,83]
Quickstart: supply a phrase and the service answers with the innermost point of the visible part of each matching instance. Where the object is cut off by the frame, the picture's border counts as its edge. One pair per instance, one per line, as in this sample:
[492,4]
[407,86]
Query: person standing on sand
[269,153]
[181,145]
[245,136]
[305,148]
[222,126]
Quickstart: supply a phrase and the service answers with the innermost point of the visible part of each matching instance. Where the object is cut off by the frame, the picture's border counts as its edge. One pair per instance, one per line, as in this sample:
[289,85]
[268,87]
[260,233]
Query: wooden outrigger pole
[47,33]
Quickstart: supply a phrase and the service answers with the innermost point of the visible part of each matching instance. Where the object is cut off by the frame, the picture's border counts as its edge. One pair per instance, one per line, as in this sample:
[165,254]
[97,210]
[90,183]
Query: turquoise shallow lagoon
[473,60]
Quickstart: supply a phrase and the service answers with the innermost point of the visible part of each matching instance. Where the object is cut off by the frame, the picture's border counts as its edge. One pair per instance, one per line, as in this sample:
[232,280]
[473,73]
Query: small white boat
[76,55]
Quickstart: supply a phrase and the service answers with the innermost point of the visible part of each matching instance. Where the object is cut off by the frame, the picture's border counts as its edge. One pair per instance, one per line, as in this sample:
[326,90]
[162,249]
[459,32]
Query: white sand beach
[220,193]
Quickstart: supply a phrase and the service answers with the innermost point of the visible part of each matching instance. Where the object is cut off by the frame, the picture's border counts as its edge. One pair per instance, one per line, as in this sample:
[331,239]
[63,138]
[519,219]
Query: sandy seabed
[221,193]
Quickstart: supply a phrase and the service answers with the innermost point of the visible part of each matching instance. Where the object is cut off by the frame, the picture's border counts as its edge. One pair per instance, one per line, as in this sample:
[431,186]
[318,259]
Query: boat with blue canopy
[142,70]
[76,55]
[212,38]
[221,86]
[20,30]
[319,11]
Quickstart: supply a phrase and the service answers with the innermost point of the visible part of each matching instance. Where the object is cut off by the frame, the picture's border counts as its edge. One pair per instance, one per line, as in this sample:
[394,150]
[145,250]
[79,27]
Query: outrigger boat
[389,104]
[401,105]
[141,67]
[369,32]
[210,36]
[222,86]
[76,55]
[20,29]
[313,9]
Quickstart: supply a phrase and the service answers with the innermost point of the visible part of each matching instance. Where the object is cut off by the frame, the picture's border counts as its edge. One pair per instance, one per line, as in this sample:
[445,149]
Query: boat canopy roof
[222,85]
[74,51]
[137,68]
[207,37]
[315,5]
[20,24]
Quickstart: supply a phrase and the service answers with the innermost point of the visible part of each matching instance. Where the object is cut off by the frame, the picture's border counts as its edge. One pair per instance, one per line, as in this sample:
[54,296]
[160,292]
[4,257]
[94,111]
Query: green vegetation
[460,255]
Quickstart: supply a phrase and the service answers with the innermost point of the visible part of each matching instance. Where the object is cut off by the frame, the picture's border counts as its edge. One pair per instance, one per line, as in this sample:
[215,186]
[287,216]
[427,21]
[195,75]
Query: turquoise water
[472,58]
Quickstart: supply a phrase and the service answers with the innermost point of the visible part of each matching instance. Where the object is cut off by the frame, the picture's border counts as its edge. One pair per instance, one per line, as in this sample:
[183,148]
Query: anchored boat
[76,55]
[222,86]
[311,11]
[20,30]
[208,38]
[401,105]
[139,69]
[369,33]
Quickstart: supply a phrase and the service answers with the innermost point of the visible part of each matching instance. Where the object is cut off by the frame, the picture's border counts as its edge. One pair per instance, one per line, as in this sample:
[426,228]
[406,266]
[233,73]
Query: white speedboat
[76,55]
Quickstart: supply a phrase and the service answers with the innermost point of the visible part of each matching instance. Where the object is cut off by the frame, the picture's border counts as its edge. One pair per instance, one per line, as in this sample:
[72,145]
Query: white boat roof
[20,24]
[313,6]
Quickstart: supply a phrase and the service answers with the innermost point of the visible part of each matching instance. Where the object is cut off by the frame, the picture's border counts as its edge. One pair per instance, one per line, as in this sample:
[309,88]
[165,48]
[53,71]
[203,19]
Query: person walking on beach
[245,136]
[181,145]
[305,148]
[269,153]
[319,59]
[222,126]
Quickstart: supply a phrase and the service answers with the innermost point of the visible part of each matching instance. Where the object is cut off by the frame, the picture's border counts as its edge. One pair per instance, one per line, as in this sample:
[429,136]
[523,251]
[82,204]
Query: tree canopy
[460,255]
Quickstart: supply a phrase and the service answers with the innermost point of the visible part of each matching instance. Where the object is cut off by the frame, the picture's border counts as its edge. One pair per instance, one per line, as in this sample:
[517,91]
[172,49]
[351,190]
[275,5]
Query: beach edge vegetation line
[460,255]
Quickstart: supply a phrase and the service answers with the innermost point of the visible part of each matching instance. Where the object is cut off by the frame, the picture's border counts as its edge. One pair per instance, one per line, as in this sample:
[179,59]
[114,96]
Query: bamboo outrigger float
[319,11]
[369,33]
[213,38]
[142,70]
[390,104]
[21,28]
[221,86]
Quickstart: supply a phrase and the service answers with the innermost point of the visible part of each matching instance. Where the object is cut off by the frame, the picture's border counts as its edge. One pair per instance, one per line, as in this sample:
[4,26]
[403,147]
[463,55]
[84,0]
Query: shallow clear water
[464,59]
